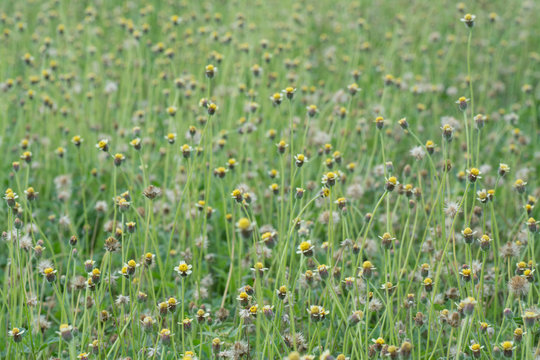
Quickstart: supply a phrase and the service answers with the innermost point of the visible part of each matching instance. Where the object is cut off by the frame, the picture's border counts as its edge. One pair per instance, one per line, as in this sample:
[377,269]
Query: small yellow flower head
[485,242]
[165,336]
[474,174]
[475,348]
[66,331]
[468,305]
[77,140]
[428,284]
[379,122]
[118,159]
[367,269]
[379,342]
[462,103]
[300,159]
[244,226]
[468,19]
[183,269]
[277,99]
[305,248]
[503,169]
[391,183]
[312,110]
[353,89]
[16,334]
[50,274]
[289,92]
[507,348]
[103,145]
[519,185]
[281,146]
[212,109]
[210,71]
[27,156]
[330,178]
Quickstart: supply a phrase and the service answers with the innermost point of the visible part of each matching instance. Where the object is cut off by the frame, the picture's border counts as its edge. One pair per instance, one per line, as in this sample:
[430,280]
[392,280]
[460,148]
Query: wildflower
[405,350]
[186,150]
[468,305]
[118,159]
[277,98]
[462,103]
[259,268]
[10,198]
[474,174]
[220,172]
[50,274]
[171,138]
[468,19]
[388,286]
[289,92]
[147,323]
[16,334]
[282,292]
[103,145]
[485,242]
[448,132]
[430,147]
[243,298]
[519,185]
[530,316]
[66,331]
[312,110]
[508,348]
[245,227]
[367,269]
[212,108]
[379,342]
[317,313]
[31,194]
[476,349]
[300,159]
[210,71]
[282,145]
[353,89]
[466,274]
[26,156]
[379,122]
[330,178]
[468,235]
[387,240]
[60,151]
[165,336]
[171,110]
[183,269]
[532,224]
[305,248]
[83,356]
[482,196]
[428,284]
[518,334]
[391,183]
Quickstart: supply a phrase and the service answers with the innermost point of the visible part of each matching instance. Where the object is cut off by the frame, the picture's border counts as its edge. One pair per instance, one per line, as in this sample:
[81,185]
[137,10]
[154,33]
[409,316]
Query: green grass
[139,149]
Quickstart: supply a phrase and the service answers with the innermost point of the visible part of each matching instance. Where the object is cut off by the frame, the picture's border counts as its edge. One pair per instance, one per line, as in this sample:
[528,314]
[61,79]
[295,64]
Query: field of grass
[269,179]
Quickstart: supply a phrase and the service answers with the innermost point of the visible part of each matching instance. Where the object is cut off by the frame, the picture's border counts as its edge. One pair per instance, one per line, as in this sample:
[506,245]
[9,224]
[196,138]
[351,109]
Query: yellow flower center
[183,267]
[244,224]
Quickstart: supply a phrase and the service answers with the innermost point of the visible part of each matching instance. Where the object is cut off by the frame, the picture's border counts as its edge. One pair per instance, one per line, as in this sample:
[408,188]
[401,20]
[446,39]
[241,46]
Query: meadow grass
[269,179]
